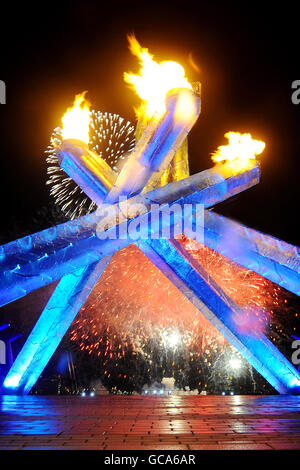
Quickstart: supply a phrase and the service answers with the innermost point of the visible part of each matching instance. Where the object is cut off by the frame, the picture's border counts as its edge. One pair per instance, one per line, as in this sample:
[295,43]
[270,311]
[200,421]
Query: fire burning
[76,120]
[154,80]
[240,151]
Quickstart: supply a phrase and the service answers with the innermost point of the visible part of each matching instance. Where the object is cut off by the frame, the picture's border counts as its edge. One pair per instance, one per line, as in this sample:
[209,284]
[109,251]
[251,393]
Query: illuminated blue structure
[207,187]
[84,166]
[174,261]
[4,326]
[273,259]
[51,327]
[151,156]
[156,148]
[73,253]
[195,283]
[44,257]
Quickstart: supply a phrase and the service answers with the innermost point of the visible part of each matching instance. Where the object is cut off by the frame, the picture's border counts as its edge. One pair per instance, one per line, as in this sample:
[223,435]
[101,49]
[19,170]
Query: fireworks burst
[111,137]
[254,294]
[136,312]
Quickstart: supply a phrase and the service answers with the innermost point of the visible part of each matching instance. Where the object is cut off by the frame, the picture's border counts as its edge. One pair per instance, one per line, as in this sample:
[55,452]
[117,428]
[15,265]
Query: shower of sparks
[135,315]
[111,137]
[254,294]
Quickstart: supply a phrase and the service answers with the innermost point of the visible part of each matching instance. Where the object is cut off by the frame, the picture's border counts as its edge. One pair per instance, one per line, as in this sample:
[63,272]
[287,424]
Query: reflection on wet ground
[149,422]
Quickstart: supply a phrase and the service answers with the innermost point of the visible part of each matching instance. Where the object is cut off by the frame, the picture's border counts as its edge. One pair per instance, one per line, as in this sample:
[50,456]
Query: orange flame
[240,151]
[75,122]
[155,79]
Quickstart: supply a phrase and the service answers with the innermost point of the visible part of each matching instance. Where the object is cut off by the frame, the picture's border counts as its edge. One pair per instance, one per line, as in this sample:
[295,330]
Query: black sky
[248,58]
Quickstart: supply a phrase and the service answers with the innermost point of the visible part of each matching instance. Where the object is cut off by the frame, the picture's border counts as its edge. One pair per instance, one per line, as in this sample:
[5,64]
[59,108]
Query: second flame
[76,120]
[240,151]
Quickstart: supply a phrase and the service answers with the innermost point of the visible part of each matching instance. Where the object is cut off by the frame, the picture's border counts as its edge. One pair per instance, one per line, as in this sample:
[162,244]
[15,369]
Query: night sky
[247,58]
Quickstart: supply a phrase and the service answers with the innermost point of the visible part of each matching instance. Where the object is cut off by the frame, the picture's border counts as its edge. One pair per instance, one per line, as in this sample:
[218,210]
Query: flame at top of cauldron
[76,120]
[240,151]
[154,80]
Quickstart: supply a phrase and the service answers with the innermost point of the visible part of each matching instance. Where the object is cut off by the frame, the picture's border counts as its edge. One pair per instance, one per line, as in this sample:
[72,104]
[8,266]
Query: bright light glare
[172,339]
[295,382]
[76,120]
[12,382]
[235,364]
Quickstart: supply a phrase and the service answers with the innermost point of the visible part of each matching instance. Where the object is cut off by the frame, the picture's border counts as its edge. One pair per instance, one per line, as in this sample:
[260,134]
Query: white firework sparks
[111,137]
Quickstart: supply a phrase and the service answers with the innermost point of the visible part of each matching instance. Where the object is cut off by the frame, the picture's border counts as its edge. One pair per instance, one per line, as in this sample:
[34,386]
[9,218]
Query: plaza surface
[150,422]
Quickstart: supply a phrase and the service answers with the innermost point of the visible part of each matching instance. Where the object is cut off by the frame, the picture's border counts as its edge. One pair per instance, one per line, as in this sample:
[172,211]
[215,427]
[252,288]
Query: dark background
[248,58]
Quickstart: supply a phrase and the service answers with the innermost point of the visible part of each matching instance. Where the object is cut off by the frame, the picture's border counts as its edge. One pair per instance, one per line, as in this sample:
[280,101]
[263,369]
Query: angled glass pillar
[194,282]
[39,259]
[52,325]
[273,259]
[207,188]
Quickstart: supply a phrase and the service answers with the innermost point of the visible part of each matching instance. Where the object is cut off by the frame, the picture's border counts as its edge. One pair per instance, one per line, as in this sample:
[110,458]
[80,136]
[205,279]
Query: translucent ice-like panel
[194,282]
[273,259]
[39,259]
